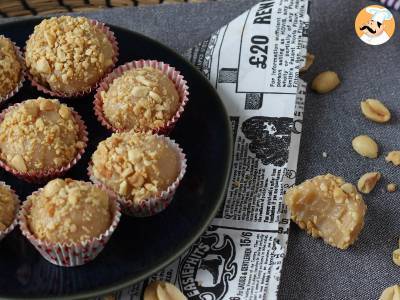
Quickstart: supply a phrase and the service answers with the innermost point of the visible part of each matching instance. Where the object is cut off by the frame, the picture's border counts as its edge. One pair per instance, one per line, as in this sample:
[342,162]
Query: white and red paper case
[174,75]
[111,37]
[17,206]
[153,205]
[22,75]
[72,254]
[43,176]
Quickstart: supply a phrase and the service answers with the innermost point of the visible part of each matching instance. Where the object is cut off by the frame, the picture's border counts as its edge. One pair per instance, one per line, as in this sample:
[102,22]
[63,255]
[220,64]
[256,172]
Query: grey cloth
[313,270]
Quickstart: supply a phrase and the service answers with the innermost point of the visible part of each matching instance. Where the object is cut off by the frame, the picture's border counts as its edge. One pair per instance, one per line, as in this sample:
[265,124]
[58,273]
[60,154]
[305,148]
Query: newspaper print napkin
[253,62]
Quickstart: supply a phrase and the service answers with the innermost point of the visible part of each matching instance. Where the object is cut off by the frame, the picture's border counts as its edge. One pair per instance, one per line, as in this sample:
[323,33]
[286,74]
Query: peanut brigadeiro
[39,135]
[11,70]
[69,211]
[136,166]
[8,206]
[142,99]
[68,55]
[328,207]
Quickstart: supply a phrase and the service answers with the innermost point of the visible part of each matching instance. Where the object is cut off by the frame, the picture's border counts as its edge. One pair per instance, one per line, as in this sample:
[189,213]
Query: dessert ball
[39,135]
[69,211]
[8,206]
[328,207]
[11,70]
[141,99]
[68,55]
[136,166]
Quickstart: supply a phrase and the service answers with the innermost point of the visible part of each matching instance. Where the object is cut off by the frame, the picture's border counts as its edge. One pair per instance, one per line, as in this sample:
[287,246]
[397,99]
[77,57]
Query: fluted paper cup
[68,254]
[171,72]
[152,205]
[46,175]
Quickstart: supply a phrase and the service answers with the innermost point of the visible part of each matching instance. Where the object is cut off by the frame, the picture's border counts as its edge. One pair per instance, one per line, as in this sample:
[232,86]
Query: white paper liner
[110,35]
[15,222]
[171,72]
[153,205]
[72,254]
[43,176]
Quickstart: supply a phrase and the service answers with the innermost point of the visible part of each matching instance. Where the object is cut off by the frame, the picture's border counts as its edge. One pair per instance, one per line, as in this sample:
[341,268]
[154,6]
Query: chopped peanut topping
[140,99]
[327,207]
[68,54]
[10,67]
[36,135]
[8,206]
[136,166]
[69,211]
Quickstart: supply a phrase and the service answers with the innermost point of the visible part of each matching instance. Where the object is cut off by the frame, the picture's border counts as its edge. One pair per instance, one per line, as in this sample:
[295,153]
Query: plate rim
[92,293]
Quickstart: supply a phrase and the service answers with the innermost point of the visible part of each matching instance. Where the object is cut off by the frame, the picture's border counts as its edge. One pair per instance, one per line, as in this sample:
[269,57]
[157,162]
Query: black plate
[139,247]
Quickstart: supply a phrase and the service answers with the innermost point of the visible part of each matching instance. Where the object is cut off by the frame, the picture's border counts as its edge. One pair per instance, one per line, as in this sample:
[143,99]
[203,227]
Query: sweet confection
[69,55]
[138,167]
[328,207]
[141,99]
[11,68]
[8,207]
[37,136]
[69,211]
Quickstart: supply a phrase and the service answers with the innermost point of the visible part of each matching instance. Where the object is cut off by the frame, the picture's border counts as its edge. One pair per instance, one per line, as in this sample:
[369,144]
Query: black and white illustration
[253,63]
[206,270]
[270,138]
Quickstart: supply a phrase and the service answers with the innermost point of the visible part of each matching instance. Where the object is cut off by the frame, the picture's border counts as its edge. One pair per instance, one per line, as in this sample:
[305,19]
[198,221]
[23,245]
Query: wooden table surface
[14,8]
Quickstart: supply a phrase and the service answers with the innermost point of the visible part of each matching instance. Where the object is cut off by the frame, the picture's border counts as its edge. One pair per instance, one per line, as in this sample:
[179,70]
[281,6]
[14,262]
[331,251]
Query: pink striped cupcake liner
[44,176]
[68,254]
[111,37]
[171,72]
[153,205]
[22,75]
[15,222]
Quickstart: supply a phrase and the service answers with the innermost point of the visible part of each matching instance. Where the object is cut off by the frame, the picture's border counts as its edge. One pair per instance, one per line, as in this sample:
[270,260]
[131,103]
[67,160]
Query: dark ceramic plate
[139,247]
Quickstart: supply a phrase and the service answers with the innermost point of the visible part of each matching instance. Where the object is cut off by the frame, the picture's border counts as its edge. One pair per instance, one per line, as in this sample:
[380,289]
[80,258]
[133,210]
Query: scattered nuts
[161,290]
[391,293]
[393,157]
[396,257]
[325,82]
[375,110]
[365,146]
[315,205]
[367,182]
[391,187]
[309,61]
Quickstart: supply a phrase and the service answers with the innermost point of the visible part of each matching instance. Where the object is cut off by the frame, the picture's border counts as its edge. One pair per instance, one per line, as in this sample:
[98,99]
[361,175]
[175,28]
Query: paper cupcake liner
[44,176]
[15,222]
[153,205]
[23,72]
[68,254]
[111,37]
[171,72]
